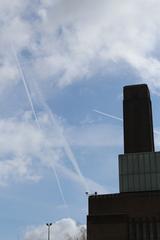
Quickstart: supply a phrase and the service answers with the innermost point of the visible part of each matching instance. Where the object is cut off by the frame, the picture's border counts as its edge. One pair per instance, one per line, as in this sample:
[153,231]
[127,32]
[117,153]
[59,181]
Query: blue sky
[59,61]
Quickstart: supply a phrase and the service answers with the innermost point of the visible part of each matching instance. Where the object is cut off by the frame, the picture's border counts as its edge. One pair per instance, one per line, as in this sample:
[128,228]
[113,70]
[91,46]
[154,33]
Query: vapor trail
[108,115]
[117,118]
[59,185]
[20,69]
[66,146]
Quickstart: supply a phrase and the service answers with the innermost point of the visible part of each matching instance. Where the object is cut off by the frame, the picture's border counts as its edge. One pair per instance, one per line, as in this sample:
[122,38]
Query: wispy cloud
[26,149]
[81,34]
[21,142]
[93,185]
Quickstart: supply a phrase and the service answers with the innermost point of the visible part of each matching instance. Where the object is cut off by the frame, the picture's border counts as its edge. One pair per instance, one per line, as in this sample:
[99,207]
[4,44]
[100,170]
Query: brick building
[134,212]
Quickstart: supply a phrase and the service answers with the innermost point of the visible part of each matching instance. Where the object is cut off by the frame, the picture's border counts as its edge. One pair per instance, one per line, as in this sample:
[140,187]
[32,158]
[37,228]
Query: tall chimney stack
[138,123]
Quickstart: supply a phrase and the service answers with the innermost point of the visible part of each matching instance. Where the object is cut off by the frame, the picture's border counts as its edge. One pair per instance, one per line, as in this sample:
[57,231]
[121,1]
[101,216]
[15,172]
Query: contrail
[59,185]
[108,115]
[66,146]
[117,118]
[20,69]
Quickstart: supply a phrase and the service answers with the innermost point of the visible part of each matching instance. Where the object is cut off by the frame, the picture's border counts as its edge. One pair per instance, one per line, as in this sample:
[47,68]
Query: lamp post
[49,226]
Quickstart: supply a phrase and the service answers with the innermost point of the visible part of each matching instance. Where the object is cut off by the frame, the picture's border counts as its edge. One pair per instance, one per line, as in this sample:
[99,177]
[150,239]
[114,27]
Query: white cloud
[17,169]
[9,75]
[91,184]
[14,31]
[26,149]
[66,40]
[65,229]
[87,32]
[22,145]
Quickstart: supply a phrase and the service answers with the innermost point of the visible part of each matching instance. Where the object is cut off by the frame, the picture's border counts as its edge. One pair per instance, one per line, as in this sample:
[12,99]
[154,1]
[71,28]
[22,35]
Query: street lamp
[49,226]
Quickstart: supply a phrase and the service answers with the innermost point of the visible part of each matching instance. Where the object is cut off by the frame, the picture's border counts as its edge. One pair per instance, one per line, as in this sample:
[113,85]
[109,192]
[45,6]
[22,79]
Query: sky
[63,63]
